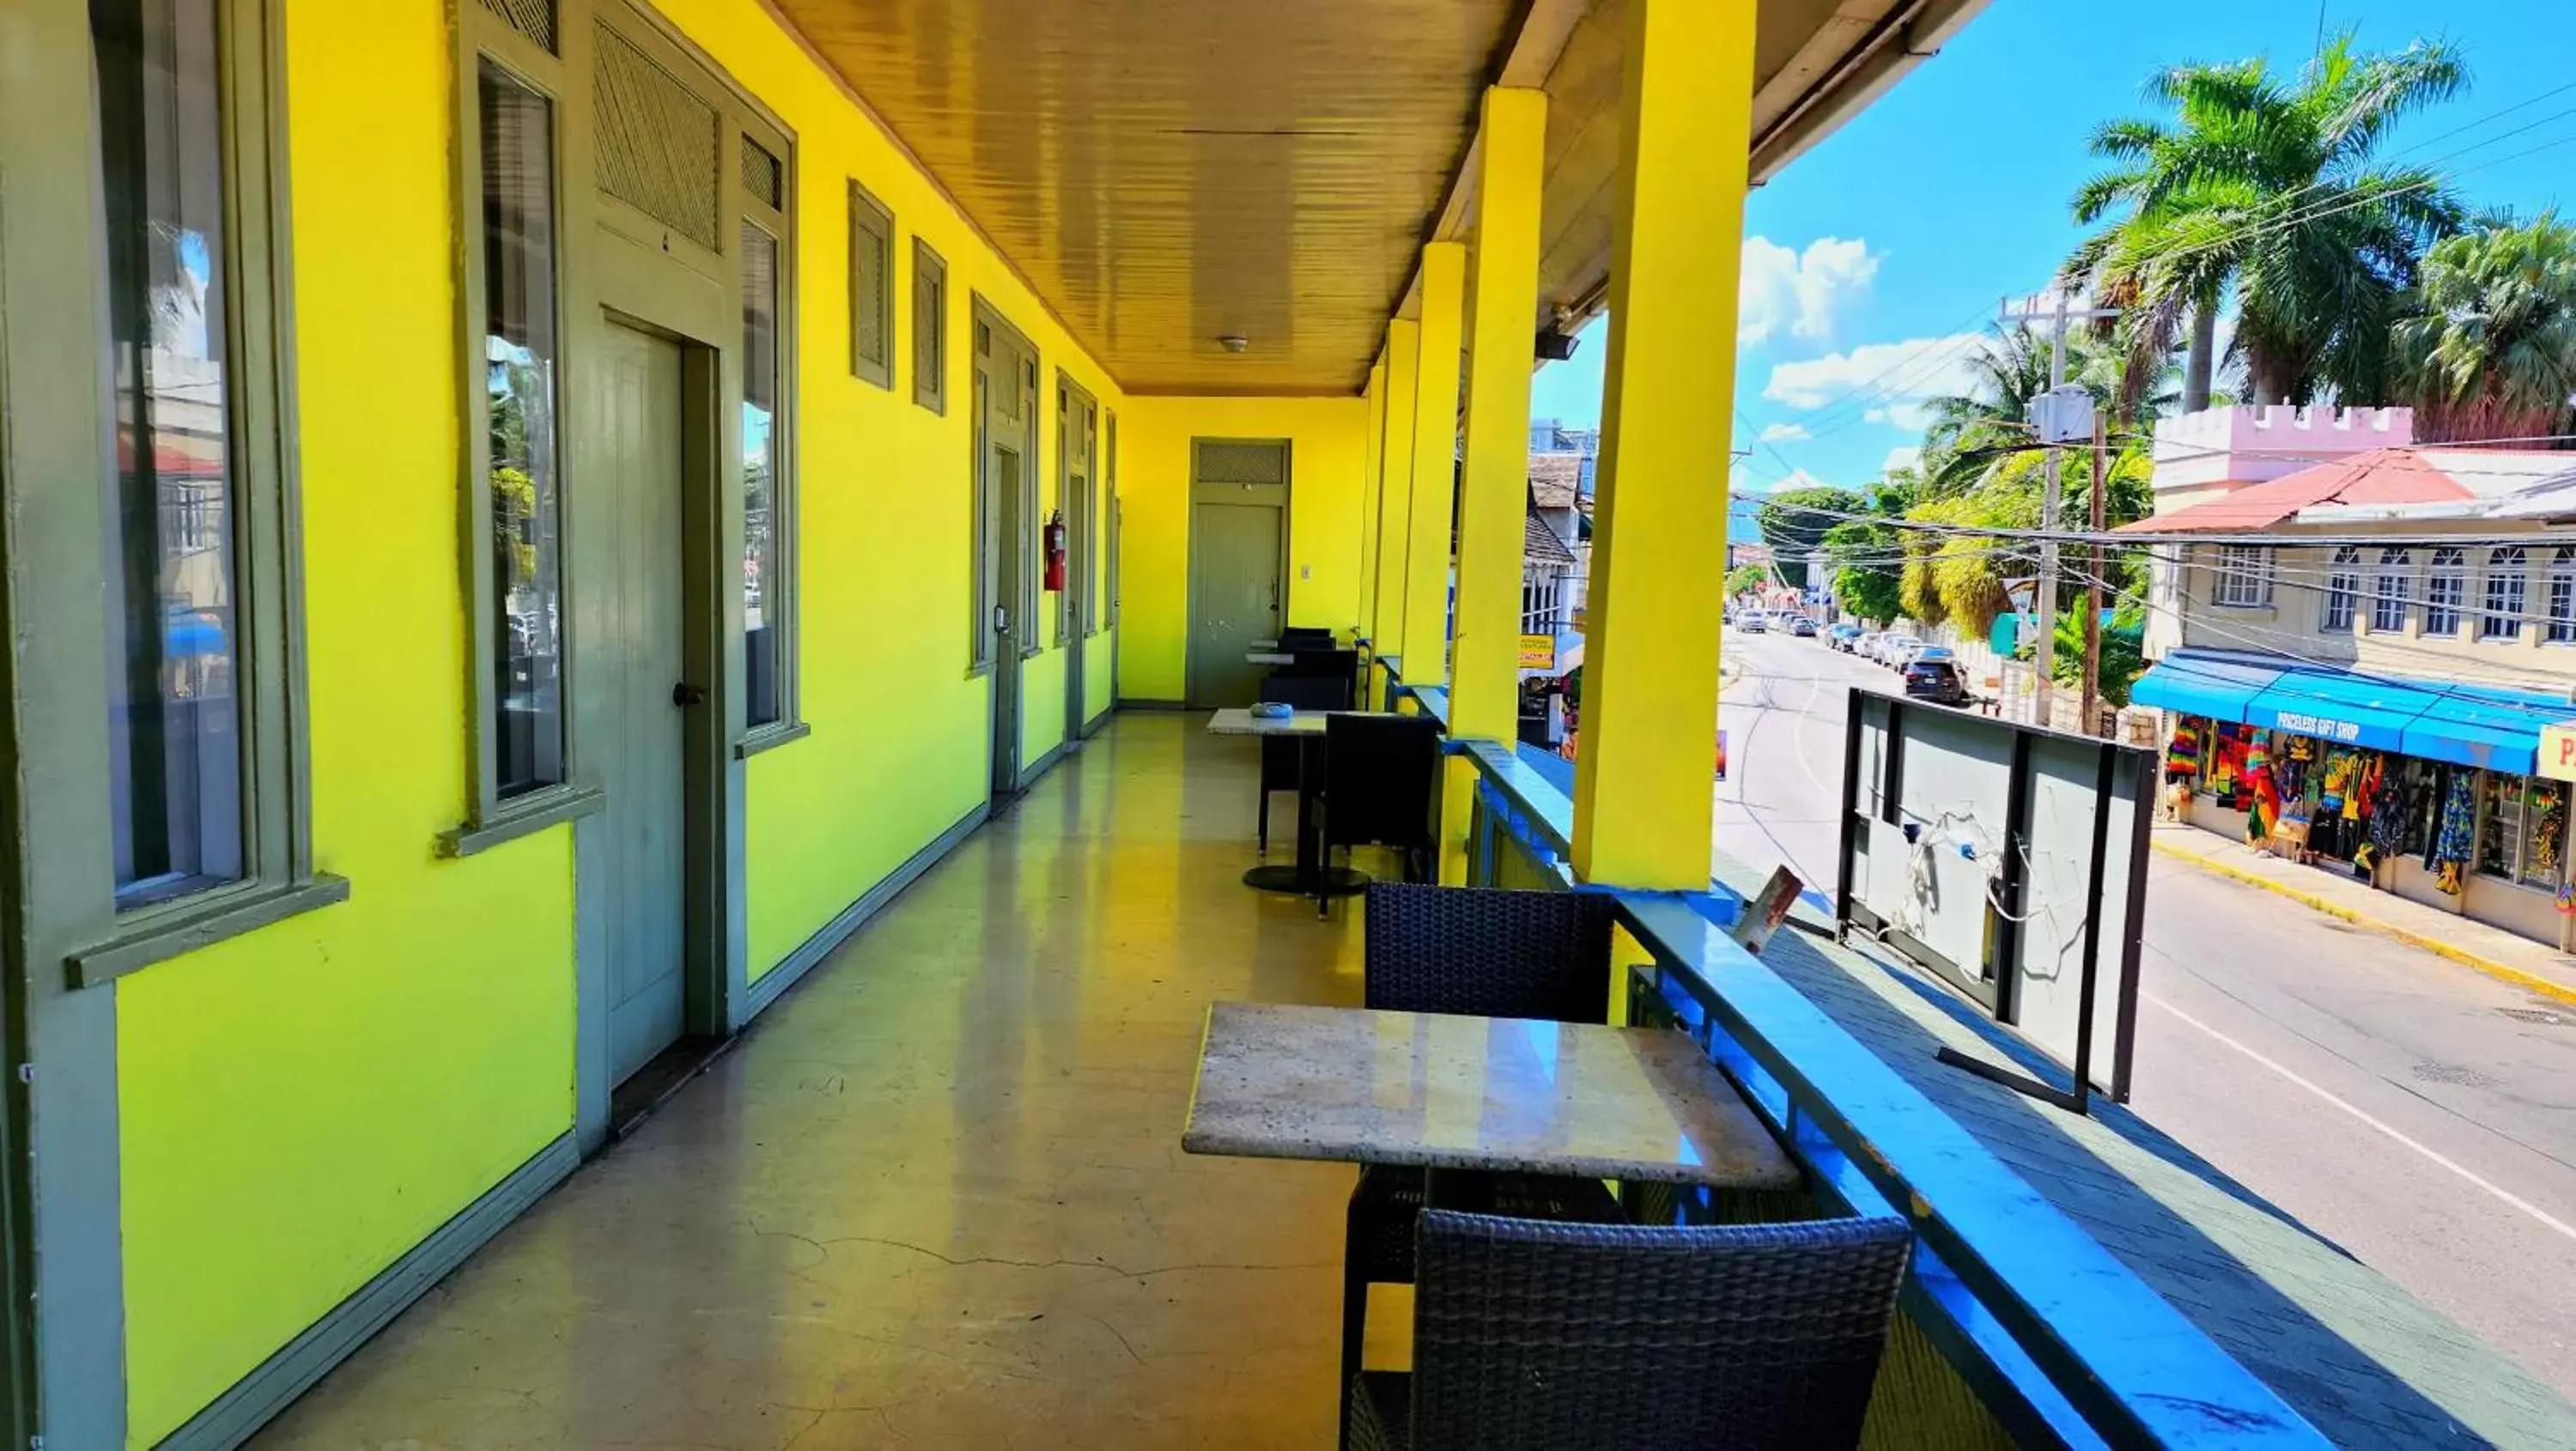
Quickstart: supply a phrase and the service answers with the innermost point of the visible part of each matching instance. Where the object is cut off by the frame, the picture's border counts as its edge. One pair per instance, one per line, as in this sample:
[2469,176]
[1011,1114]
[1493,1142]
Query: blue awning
[2202,685]
[2495,729]
[2350,710]
[2468,725]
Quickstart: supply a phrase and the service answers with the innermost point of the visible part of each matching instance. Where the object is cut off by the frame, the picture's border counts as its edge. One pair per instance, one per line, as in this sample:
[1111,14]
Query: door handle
[686,694]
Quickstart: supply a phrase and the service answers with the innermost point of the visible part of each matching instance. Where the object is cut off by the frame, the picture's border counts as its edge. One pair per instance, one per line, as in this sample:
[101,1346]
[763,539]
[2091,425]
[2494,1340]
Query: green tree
[2271,189]
[1746,578]
[1971,431]
[1794,521]
[2489,347]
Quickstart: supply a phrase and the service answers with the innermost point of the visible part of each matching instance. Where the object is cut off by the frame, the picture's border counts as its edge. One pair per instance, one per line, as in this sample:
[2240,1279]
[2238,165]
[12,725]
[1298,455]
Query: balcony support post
[1372,475]
[1425,642]
[1484,684]
[1395,495]
[1648,716]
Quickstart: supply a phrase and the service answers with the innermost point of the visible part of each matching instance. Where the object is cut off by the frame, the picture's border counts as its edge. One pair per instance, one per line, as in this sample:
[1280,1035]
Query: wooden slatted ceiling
[1170,172]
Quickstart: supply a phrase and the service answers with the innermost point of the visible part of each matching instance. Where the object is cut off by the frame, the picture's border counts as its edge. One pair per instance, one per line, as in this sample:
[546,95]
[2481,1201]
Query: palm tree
[2489,350]
[2269,190]
[1969,431]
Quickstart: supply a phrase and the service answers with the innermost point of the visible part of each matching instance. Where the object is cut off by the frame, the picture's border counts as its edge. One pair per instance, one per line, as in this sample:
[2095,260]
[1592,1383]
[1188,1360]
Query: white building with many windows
[2358,647]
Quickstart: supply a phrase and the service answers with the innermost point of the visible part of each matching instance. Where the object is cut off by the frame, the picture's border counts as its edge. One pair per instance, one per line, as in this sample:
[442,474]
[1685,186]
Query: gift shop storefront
[2436,791]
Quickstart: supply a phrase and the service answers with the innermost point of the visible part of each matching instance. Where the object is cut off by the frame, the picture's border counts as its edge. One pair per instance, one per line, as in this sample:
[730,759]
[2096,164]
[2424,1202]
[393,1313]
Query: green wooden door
[641,412]
[1235,597]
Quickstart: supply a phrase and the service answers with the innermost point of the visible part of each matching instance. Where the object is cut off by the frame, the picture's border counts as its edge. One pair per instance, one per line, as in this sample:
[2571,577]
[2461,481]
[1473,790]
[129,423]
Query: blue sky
[1911,223]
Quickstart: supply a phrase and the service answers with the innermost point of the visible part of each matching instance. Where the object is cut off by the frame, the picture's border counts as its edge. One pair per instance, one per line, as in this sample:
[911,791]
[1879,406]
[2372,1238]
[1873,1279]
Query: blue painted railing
[2056,1337]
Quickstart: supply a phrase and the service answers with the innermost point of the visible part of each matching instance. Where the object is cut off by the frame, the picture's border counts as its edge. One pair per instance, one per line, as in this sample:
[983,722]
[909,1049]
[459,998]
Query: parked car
[1865,644]
[1751,622]
[1844,636]
[1938,681]
[1802,627]
[1898,652]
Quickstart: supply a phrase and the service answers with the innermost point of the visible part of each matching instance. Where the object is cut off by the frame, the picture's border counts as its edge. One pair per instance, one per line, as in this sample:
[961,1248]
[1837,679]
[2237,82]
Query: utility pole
[2044,649]
[2093,574]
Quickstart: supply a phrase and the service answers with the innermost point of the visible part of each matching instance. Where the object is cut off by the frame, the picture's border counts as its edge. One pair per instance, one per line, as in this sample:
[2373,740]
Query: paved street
[2418,1114]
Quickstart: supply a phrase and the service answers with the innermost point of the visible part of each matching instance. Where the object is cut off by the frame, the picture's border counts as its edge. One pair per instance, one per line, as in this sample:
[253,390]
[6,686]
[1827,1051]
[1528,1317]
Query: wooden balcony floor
[936,1197]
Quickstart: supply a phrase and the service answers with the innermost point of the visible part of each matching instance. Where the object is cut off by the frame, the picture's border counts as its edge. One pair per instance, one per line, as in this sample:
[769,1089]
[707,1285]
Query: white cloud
[1893,378]
[1903,456]
[1785,433]
[1800,292]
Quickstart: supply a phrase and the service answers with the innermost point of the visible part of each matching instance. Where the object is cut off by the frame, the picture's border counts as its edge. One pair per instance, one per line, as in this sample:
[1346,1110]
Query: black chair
[1279,754]
[1536,1337]
[1482,952]
[1382,786]
[1342,664]
[1305,637]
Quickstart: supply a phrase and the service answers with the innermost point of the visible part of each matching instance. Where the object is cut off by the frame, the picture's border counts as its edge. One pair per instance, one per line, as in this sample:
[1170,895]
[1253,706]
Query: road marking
[2543,1216]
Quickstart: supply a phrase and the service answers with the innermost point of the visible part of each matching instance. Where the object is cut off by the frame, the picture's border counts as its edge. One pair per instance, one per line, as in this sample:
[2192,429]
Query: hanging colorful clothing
[2456,836]
[2182,753]
[2264,807]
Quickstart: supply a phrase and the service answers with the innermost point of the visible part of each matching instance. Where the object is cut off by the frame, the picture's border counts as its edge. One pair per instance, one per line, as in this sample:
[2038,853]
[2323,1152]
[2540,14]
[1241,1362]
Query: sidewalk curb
[2529,981]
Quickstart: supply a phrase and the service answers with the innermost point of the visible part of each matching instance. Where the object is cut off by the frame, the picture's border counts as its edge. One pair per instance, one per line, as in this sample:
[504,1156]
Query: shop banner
[2558,751]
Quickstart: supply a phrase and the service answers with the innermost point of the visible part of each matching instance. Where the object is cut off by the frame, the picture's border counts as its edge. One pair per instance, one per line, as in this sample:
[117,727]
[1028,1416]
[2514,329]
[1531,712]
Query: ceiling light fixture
[1234,342]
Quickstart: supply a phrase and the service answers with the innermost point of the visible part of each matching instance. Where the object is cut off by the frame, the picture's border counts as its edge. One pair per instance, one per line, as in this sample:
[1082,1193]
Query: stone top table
[1238,720]
[1279,1081]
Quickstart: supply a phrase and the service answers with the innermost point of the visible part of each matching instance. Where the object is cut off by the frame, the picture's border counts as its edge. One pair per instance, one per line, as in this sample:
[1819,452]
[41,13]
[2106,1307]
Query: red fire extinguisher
[1055,553]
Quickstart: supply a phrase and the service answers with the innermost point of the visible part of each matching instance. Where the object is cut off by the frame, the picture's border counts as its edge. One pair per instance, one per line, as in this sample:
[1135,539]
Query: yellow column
[1372,470]
[1649,712]
[1435,465]
[1484,680]
[1395,491]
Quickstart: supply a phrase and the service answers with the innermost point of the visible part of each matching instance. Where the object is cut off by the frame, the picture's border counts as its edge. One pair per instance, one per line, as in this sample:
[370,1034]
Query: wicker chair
[1538,1337]
[1482,952]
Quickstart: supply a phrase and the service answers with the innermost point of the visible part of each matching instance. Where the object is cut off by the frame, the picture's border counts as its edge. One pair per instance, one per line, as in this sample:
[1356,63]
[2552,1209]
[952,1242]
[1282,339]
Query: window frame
[2244,579]
[2508,568]
[1076,411]
[1110,521]
[2559,598]
[2447,572]
[785,502]
[2342,593]
[2392,590]
[869,216]
[482,37]
[278,877]
[930,322]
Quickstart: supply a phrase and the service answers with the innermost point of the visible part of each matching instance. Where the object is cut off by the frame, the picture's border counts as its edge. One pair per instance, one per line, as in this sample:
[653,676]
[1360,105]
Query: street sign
[1538,652]
[2558,751]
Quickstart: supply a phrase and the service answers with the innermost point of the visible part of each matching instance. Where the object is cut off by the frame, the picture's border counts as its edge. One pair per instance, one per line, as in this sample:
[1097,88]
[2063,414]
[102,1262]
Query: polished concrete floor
[936,1197]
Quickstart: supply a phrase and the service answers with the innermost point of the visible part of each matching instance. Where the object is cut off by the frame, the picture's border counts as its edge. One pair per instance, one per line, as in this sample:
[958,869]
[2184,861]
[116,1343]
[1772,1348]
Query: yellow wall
[897,753]
[300,1106]
[1327,454]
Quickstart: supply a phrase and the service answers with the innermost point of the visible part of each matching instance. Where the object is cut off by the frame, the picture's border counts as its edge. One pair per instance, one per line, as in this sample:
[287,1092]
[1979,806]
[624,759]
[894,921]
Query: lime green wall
[1328,451]
[299,1106]
[897,750]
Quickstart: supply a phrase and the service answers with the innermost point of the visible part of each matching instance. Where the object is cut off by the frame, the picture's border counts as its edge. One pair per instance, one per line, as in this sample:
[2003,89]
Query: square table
[1311,876]
[1443,1091]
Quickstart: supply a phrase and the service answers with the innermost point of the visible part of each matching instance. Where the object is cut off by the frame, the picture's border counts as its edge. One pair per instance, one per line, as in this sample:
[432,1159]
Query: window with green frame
[768,473]
[206,821]
[510,326]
